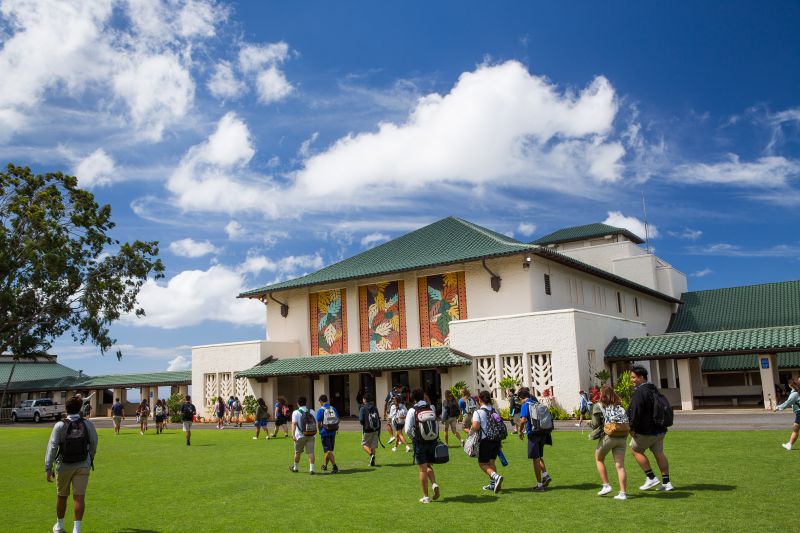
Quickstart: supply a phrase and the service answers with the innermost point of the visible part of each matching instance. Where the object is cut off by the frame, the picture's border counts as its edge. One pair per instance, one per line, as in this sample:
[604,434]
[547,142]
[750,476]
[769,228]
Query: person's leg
[423,478]
[189,436]
[79,505]
[644,462]
[619,462]
[537,470]
[446,435]
[795,432]
[61,507]
[663,463]
[599,458]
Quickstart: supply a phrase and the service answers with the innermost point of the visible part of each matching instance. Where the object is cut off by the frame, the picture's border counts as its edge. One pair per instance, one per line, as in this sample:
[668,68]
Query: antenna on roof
[646,229]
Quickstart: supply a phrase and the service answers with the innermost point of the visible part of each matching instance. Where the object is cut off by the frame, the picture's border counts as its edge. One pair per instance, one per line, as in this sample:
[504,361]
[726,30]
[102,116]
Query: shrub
[456,389]
[174,403]
[558,412]
[508,383]
[249,405]
[624,388]
[504,413]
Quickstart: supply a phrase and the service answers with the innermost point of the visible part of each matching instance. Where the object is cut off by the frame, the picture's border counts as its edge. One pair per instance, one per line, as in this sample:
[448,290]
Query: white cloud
[687,233]
[286,265]
[734,250]
[253,58]
[632,224]
[180,363]
[96,169]
[223,83]
[272,86]
[235,230]
[527,229]
[702,273]
[305,147]
[771,171]
[191,248]
[374,238]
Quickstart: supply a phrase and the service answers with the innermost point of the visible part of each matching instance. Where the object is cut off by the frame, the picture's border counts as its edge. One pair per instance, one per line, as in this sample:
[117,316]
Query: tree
[60,271]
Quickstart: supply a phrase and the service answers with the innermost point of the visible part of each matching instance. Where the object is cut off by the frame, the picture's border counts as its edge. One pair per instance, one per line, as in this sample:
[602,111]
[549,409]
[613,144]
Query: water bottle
[503,460]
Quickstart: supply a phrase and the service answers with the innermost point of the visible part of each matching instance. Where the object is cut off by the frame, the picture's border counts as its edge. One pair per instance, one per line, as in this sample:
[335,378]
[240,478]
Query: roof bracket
[284,307]
[495,281]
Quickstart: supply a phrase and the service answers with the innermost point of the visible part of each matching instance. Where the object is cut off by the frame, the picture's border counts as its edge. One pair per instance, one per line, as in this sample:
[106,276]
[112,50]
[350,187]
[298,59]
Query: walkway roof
[733,363]
[437,357]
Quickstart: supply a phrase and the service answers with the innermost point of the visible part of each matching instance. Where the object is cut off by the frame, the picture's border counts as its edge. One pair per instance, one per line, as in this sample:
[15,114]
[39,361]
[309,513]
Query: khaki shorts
[304,443]
[77,477]
[187,426]
[452,425]
[370,440]
[117,420]
[610,444]
[642,443]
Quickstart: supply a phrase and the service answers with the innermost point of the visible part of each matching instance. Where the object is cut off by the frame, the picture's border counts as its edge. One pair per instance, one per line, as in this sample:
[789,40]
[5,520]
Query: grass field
[725,481]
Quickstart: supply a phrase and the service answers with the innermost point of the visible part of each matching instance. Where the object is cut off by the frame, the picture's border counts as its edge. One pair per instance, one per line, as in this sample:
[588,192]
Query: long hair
[795,384]
[485,397]
[608,396]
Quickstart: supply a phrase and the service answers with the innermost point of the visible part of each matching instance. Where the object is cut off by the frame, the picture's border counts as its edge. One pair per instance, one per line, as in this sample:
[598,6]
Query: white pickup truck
[37,410]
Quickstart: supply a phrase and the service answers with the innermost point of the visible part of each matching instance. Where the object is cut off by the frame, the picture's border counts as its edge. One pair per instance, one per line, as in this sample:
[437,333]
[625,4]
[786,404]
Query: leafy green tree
[624,388]
[60,271]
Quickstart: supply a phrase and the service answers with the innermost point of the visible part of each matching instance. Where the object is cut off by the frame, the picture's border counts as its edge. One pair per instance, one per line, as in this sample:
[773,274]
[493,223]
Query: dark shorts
[160,418]
[328,442]
[488,450]
[424,452]
[535,446]
[261,423]
[398,426]
[797,417]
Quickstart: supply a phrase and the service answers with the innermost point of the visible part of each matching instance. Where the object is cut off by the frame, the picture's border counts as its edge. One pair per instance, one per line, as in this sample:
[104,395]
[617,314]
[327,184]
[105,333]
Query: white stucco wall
[565,334]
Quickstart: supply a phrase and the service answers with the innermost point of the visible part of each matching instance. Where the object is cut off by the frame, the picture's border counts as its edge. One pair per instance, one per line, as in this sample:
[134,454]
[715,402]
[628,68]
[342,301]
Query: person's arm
[294,427]
[597,419]
[52,450]
[791,400]
[90,429]
[320,418]
[523,419]
[476,421]
[409,425]
[361,412]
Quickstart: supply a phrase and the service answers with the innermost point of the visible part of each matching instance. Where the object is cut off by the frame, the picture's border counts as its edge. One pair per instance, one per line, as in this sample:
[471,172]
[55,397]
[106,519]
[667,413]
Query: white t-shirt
[297,416]
[482,417]
[396,410]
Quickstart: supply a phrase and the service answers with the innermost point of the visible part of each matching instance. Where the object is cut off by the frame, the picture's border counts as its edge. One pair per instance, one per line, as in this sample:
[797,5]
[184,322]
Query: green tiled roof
[33,370]
[183,377]
[717,363]
[72,381]
[360,362]
[587,231]
[448,241]
[752,306]
[781,339]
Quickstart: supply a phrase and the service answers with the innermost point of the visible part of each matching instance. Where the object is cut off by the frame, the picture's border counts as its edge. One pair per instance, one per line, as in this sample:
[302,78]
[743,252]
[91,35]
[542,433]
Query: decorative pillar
[94,401]
[767,365]
[671,374]
[320,387]
[183,390]
[687,393]
[382,389]
[144,392]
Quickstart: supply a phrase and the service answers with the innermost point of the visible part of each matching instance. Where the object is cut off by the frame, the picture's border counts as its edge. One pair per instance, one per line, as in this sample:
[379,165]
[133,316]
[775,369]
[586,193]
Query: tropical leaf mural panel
[328,322]
[382,316]
[442,300]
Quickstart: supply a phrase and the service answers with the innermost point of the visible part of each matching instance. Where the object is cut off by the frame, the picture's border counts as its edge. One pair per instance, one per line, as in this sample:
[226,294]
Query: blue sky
[259,141]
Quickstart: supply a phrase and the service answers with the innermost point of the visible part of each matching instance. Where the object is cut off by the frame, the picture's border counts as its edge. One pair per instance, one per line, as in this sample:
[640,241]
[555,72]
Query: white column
[320,387]
[183,390]
[152,401]
[671,374]
[355,383]
[655,372]
[768,367]
[687,393]
[94,401]
[498,375]
[382,389]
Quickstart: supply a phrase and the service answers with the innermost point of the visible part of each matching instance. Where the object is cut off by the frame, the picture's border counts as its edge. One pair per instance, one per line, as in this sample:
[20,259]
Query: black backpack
[495,427]
[372,422]
[74,447]
[187,412]
[662,410]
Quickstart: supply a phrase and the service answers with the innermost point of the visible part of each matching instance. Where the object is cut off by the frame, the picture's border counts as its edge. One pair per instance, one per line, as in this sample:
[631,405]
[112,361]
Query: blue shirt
[525,413]
[462,405]
[321,416]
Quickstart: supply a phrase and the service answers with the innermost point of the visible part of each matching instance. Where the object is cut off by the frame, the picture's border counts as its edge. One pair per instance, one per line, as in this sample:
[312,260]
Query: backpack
[400,415]
[159,410]
[540,418]
[662,410]
[616,421]
[425,427]
[330,420]
[495,428]
[74,447]
[308,423]
[187,412]
[472,406]
[372,422]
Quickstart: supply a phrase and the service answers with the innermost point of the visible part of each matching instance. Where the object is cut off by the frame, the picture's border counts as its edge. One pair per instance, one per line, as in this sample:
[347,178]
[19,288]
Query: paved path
[703,419]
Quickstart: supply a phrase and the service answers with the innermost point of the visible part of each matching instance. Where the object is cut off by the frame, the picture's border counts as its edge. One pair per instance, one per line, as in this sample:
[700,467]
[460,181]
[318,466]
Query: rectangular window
[636,305]
[619,302]
[547,284]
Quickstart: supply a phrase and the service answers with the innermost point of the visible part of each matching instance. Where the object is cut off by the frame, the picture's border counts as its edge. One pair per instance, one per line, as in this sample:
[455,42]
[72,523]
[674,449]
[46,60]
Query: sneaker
[424,499]
[539,488]
[497,483]
[188,443]
[408,448]
[141,433]
[310,472]
[787,446]
[621,496]
[436,491]
[256,438]
[372,460]
[489,487]
[547,480]
[293,469]
[577,425]
[390,441]
[605,490]
[335,469]
[324,467]
[394,448]
[57,529]
[666,487]
[649,484]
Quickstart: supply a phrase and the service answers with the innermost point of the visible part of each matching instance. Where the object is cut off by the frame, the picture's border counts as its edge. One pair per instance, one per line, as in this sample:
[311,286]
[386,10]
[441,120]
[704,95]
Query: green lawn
[725,481]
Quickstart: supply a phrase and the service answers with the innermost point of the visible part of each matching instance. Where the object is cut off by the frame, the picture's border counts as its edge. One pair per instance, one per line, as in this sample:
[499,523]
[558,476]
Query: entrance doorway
[367,384]
[339,388]
[432,386]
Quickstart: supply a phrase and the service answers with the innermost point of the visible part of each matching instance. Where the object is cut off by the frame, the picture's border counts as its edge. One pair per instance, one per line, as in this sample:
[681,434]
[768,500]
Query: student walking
[281,417]
[117,415]
[219,411]
[468,405]
[584,407]
[70,456]
[491,430]
[143,411]
[328,422]
[450,413]
[536,422]
[513,409]
[262,419]
[304,429]
[387,404]
[236,417]
[370,422]
[646,432]
[792,401]
[188,412]
[421,425]
[397,417]
[610,428]
[158,411]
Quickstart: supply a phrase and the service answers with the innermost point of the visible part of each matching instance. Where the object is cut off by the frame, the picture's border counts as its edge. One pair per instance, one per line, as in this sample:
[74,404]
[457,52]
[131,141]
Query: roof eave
[691,355]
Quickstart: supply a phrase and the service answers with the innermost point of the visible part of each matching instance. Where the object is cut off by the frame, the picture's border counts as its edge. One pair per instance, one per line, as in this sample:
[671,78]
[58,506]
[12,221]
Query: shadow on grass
[133,530]
[707,486]
[579,486]
[395,465]
[470,498]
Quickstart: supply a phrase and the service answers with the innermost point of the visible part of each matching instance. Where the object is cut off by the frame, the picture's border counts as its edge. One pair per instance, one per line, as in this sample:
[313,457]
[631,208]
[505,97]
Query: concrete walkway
[704,419]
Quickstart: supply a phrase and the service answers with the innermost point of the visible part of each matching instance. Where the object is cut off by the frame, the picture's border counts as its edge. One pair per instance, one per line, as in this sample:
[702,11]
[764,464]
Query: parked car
[37,410]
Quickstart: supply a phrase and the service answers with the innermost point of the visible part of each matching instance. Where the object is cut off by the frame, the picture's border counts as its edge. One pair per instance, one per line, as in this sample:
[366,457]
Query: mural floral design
[382,317]
[328,322]
[441,302]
